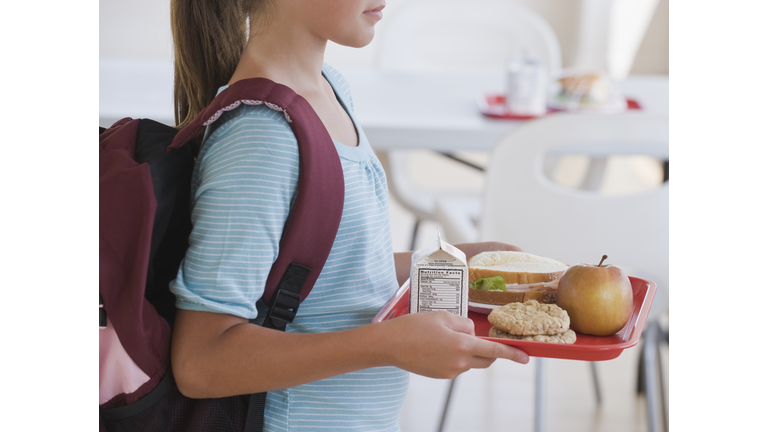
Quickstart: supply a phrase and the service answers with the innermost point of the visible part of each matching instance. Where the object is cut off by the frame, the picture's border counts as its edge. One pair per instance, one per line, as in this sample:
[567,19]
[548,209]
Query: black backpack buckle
[287,299]
[284,308]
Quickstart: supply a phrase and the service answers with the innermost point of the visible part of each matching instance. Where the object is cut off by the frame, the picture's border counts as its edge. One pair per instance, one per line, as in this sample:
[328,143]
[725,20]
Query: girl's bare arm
[217,355]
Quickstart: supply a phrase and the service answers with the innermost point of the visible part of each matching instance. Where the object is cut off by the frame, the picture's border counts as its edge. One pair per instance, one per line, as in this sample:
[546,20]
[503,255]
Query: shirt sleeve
[246,179]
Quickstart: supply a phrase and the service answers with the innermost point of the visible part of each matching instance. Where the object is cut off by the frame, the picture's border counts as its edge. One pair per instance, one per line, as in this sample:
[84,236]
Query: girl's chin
[356,42]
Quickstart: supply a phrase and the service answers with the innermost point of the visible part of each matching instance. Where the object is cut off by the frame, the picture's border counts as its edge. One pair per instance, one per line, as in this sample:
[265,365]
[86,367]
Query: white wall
[135,29]
[653,54]
[141,29]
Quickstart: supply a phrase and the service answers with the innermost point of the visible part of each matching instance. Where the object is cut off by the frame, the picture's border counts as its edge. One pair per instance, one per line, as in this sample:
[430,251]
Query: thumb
[461,324]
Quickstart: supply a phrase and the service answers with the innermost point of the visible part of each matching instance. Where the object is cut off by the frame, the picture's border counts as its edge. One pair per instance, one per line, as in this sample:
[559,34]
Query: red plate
[586,347]
[495,105]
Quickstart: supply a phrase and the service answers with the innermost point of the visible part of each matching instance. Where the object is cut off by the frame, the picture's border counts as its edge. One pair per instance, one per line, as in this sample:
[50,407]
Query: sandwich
[502,277]
[589,89]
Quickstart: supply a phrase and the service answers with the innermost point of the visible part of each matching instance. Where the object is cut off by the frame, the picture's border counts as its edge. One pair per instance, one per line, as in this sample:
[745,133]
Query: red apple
[598,298]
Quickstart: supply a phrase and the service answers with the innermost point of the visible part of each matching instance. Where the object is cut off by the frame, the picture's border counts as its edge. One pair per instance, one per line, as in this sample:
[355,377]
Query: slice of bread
[490,258]
[545,292]
[515,267]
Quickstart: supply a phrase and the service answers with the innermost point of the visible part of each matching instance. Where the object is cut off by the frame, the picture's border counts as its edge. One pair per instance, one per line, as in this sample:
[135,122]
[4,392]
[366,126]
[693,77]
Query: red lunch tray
[586,347]
[495,105]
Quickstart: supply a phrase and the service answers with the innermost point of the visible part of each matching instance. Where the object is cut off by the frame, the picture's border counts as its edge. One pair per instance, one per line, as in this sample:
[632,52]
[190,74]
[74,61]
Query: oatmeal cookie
[568,337]
[530,318]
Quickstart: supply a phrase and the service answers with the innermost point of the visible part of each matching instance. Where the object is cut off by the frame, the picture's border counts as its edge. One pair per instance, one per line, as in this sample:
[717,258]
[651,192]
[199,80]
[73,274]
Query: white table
[437,112]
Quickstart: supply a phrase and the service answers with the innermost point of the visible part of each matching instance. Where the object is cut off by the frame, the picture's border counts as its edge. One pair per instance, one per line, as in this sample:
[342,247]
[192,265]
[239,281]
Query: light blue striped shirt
[243,185]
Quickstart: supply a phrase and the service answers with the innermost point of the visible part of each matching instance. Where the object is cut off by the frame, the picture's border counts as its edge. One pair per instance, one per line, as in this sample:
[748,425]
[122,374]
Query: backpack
[145,171]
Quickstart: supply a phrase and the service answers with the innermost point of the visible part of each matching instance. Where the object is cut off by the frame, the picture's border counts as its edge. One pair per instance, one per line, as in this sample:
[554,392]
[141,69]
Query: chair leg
[462,161]
[663,337]
[445,408]
[658,336]
[415,232]
[596,382]
[595,172]
[649,359]
[538,419]
[640,388]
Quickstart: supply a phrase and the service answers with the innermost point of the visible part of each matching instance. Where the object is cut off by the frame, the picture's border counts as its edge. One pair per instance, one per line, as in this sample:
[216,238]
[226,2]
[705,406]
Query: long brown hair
[208,39]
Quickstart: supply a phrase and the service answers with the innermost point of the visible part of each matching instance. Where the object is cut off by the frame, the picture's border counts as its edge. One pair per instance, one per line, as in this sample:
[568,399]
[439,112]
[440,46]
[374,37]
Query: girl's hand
[440,345]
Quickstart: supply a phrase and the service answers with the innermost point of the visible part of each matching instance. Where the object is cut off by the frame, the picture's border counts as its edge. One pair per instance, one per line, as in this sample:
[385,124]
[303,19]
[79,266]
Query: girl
[331,369]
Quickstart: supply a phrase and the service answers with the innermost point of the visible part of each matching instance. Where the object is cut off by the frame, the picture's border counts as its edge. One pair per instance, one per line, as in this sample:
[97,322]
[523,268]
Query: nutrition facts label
[440,289]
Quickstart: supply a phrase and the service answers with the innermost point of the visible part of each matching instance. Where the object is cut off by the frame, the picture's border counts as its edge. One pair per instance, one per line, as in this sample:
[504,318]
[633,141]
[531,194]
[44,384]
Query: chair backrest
[524,207]
[459,35]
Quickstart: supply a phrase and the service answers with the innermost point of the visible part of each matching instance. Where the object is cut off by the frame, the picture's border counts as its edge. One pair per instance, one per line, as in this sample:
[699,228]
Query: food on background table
[501,277]
[531,321]
[584,89]
[598,298]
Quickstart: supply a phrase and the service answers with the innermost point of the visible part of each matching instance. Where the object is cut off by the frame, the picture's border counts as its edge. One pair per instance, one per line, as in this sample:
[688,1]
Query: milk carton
[527,85]
[439,279]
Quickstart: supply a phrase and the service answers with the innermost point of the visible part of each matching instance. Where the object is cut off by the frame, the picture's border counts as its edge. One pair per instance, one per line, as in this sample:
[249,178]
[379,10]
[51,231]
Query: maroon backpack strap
[314,220]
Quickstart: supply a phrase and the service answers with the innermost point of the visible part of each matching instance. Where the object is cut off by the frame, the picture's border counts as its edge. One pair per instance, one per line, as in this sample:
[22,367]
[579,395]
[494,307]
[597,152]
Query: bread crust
[545,292]
[476,273]
[504,297]
[492,258]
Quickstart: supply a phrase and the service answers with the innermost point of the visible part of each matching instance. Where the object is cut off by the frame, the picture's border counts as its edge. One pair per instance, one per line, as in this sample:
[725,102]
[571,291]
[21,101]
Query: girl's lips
[375,13]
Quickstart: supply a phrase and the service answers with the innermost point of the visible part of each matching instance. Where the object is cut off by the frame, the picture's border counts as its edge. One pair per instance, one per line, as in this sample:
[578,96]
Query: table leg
[538,419]
[445,408]
[596,382]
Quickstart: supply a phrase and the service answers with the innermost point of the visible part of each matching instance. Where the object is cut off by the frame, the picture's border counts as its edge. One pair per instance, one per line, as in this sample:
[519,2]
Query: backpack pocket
[165,409]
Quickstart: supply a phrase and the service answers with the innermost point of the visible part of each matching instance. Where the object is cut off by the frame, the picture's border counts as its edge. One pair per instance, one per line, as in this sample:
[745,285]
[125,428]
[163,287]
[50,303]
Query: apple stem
[601,261]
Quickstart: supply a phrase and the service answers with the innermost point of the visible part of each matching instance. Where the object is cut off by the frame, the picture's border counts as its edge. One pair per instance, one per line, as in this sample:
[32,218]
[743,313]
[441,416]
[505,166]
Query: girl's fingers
[480,362]
[462,325]
[484,348]
[496,350]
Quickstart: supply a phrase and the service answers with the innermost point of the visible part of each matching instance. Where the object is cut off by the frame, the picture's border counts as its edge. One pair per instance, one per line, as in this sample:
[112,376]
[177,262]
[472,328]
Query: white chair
[429,35]
[523,207]
[437,35]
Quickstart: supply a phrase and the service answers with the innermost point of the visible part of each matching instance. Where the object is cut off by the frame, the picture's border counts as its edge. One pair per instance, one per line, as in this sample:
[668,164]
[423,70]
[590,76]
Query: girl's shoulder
[339,83]
[250,127]
[250,114]
[259,123]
